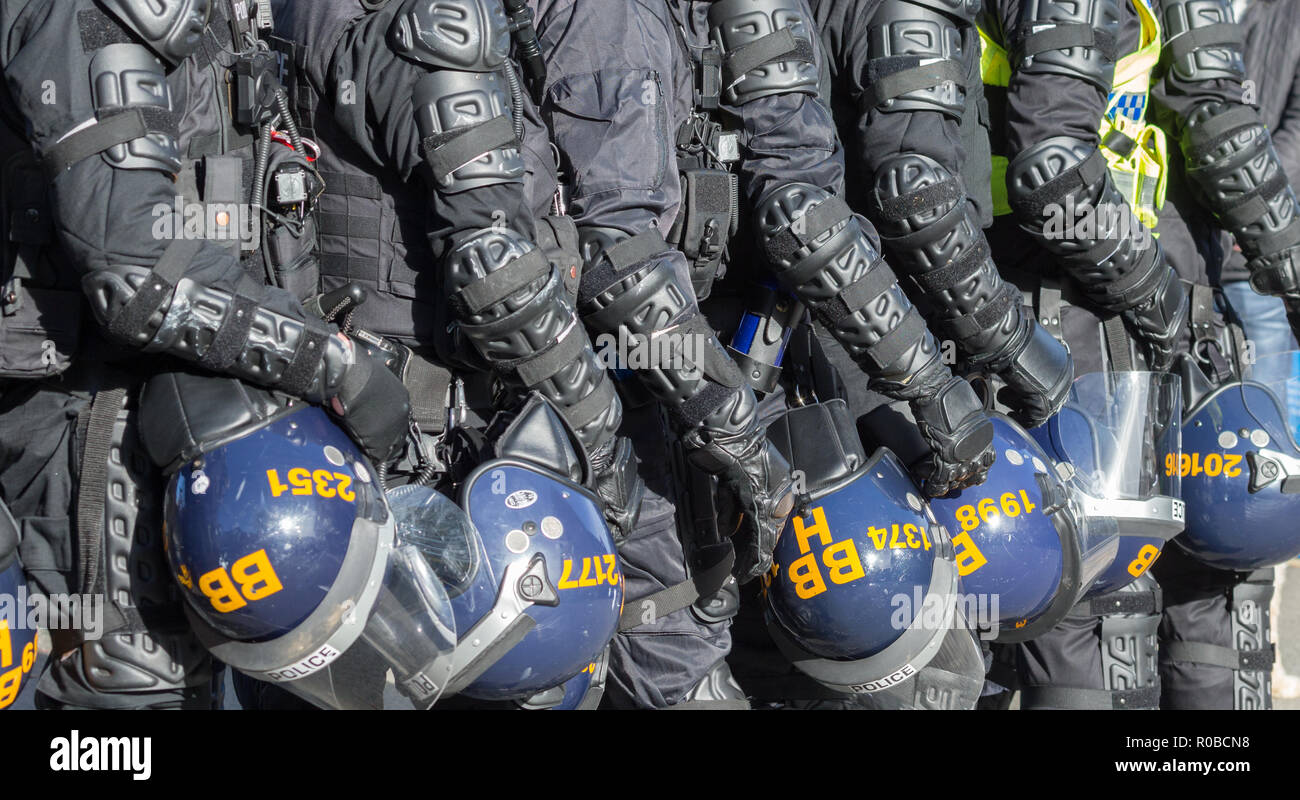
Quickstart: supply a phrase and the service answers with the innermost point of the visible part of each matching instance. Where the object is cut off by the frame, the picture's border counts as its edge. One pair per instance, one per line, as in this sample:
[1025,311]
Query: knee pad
[767,48]
[147,653]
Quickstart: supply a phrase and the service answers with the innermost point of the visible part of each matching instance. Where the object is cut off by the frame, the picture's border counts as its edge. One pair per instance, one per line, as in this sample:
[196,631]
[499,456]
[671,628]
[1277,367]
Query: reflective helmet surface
[1021,546]
[286,553]
[1114,436]
[860,591]
[1240,469]
[271,510]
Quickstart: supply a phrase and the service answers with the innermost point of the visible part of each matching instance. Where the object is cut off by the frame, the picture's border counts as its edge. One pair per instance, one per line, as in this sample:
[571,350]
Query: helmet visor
[403,655]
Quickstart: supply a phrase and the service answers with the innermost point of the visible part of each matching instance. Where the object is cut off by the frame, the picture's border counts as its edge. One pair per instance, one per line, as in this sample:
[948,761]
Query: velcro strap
[1123,603]
[888,87]
[340,183]
[620,259]
[1089,699]
[897,209]
[1221,34]
[987,316]
[497,285]
[109,132]
[673,599]
[700,405]
[1063,36]
[877,280]
[961,268]
[1119,143]
[157,288]
[782,247]
[893,344]
[776,46]
[1253,206]
[301,372]
[563,353]
[448,152]
[231,336]
[1218,129]
[1217,656]
[1085,173]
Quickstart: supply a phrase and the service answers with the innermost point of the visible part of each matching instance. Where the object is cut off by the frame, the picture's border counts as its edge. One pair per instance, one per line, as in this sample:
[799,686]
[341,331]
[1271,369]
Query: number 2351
[321,483]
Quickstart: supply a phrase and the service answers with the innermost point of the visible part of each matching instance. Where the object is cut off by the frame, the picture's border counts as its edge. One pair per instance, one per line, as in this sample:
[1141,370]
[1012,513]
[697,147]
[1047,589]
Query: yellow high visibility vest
[1135,151]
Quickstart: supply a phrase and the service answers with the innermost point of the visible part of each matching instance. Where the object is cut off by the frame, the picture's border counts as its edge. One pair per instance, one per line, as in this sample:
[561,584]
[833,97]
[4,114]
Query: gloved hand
[1038,378]
[960,436]
[1276,274]
[1157,324]
[619,486]
[372,405]
[735,450]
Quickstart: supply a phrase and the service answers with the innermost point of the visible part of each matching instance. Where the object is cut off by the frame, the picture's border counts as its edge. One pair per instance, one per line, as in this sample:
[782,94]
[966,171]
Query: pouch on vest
[707,220]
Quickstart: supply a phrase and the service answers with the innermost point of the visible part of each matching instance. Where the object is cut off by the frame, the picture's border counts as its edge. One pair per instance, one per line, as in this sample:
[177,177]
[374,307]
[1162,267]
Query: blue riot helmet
[863,593]
[1114,438]
[533,575]
[1240,467]
[17,639]
[287,556]
[1023,544]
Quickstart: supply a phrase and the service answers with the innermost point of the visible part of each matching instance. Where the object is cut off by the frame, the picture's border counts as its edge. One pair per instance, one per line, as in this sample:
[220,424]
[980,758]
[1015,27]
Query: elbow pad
[823,255]
[1060,177]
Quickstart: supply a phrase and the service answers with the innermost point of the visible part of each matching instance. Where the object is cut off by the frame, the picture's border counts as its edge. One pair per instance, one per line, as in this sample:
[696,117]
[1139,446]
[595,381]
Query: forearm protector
[932,236]
[1065,199]
[823,255]
[635,290]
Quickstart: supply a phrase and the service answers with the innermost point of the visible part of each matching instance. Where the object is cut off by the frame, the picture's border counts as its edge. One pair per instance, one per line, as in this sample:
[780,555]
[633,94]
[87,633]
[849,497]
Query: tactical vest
[42,309]
[1135,150]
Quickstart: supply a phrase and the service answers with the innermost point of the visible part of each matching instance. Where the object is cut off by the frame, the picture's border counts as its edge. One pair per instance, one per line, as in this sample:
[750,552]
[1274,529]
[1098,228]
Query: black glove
[1158,323]
[754,471]
[373,406]
[1038,379]
[960,436]
[619,486]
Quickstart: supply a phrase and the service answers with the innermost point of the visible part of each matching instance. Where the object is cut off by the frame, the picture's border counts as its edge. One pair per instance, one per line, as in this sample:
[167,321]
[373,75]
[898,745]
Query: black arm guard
[1231,160]
[931,234]
[1201,40]
[513,307]
[766,48]
[823,255]
[1074,39]
[633,288]
[1120,272]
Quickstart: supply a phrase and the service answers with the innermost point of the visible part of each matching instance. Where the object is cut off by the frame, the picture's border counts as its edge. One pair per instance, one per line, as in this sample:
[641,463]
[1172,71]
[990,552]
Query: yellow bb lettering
[819,528]
[842,562]
[806,578]
[255,576]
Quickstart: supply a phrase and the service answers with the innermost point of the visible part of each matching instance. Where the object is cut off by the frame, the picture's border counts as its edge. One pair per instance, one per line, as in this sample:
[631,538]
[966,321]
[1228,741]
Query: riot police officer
[734,185]
[139,230]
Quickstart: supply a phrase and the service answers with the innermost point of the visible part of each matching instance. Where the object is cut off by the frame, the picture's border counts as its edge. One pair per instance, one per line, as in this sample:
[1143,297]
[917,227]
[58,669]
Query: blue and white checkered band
[1130,105]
